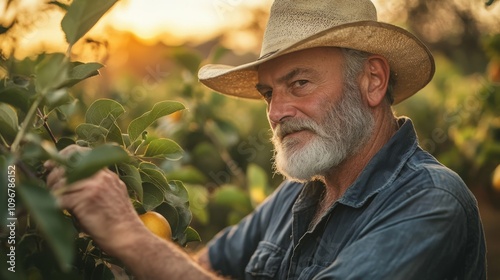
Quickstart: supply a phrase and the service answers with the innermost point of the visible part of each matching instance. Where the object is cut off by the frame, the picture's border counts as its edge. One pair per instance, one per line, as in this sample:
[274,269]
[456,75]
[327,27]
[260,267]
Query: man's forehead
[289,74]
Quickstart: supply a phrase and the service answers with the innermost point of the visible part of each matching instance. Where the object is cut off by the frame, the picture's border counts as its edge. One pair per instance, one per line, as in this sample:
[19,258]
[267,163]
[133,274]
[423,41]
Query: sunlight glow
[176,21]
[169,21]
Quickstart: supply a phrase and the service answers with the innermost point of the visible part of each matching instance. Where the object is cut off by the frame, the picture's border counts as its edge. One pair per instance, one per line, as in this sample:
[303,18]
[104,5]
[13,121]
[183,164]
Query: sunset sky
[186,18]
[150,20]
[165,20]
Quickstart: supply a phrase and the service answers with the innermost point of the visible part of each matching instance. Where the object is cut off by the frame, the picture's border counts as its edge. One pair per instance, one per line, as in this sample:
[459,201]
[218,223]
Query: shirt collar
[384,167]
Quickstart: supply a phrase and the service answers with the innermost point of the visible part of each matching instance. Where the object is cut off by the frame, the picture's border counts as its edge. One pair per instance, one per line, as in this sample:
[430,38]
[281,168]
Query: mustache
[294,125]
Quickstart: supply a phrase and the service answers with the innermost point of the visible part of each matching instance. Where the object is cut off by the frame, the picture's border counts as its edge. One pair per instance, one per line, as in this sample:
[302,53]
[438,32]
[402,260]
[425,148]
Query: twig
[46,126]
[26,123]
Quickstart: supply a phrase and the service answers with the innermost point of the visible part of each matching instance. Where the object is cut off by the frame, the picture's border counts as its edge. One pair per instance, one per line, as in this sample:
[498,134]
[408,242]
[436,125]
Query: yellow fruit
[157,224]
[175,116]
[494,71]
[496,178]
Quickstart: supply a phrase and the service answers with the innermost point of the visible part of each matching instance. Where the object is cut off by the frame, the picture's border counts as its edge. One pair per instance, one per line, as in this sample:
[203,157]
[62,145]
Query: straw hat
[301,24]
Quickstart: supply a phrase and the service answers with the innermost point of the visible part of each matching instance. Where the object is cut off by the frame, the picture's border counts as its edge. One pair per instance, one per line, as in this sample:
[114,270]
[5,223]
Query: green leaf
[139,208]
[198,201]
[94,160]
[137,126]
[82,15]
[100,109]
[51,72]
[170,213]
[225,132]
[81,71]
[64,142]
[152,174]
[16,96]
[232,197]
[153,196]
[8,123]
[57,98]
[257,184]
[91,133]
[131,176]
[103,113]
[176,194]
[188,174]
[164,148]
[60,114]
[114,133]
[36,150]
[192,235]
[57,229]
[185,217]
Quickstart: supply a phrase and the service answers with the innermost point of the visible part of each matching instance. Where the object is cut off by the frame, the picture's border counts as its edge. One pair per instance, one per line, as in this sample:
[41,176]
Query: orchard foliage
[48,242]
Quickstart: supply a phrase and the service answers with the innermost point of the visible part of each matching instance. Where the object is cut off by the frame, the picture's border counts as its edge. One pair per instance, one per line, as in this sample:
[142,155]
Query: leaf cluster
[49,242]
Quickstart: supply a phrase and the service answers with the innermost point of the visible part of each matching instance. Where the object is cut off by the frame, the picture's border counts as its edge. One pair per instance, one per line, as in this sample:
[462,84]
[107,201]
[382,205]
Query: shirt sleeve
[231,249]
[421,238]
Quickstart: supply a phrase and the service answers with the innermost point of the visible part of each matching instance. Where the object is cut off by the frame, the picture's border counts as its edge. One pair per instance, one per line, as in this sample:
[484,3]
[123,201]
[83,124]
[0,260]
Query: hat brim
[409,59]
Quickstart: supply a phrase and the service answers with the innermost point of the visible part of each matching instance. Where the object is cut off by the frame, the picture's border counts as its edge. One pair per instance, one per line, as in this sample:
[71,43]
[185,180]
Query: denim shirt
[405,217]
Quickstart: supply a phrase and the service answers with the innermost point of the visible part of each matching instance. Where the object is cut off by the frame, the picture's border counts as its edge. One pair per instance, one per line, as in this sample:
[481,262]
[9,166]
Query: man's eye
[300,83]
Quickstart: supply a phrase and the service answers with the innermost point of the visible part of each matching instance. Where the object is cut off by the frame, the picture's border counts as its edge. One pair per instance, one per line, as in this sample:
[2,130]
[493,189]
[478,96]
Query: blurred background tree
[227,165]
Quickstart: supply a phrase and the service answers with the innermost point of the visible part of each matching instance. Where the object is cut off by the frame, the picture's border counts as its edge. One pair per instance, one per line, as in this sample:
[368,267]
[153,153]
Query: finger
[68,196]
[65,197]
[61,184]
[95,181]
[56,175]
[115,178]
[49,164]
[102,182]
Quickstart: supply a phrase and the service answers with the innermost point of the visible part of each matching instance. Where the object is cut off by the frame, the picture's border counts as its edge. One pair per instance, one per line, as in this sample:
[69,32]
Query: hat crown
[293,20]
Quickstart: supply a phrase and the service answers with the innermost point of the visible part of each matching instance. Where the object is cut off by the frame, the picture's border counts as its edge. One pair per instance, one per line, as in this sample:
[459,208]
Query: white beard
[345,129]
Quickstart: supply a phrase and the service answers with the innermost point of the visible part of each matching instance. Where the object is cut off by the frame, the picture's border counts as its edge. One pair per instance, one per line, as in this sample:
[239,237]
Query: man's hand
[103,208]
[100,203]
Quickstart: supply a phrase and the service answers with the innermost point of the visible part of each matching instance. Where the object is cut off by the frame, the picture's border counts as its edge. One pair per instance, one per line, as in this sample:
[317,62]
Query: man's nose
[280,107]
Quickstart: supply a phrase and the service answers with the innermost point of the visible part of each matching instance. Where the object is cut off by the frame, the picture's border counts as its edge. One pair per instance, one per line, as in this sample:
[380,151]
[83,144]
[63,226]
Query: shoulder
[430,173]
[423,175]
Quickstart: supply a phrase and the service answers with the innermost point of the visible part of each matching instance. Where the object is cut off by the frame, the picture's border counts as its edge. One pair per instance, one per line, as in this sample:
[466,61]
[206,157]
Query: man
[361,201]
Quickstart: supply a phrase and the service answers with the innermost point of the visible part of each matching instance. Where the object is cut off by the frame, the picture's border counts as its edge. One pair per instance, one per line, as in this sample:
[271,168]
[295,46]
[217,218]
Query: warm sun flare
[172,22]
[192,19]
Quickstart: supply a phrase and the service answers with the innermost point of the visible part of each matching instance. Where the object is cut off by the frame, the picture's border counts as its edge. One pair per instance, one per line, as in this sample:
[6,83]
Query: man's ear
[375,79]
